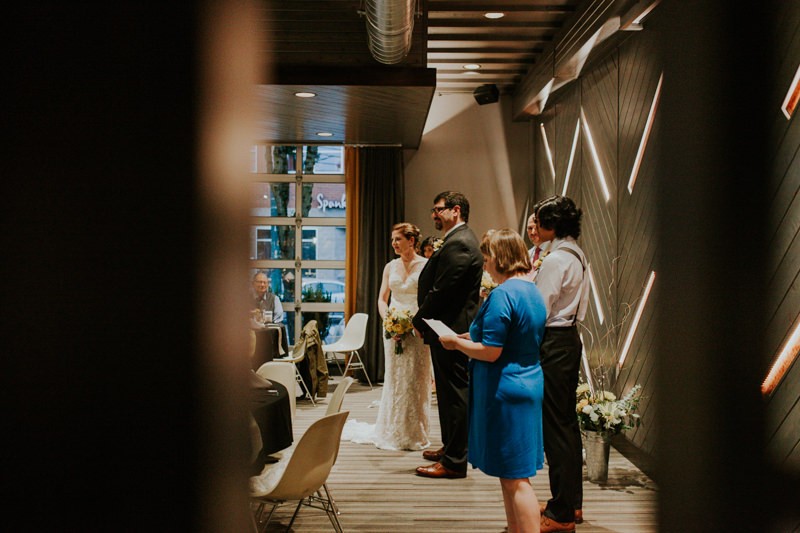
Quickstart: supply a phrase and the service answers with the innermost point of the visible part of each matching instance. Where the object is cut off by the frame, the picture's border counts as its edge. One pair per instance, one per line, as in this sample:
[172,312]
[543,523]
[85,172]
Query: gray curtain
[382,205]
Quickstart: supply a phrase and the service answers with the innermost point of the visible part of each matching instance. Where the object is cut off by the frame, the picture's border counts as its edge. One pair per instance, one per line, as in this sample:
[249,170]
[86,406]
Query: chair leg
[364,369]
[356,366]
[303,386]
[336,360]
[296,510]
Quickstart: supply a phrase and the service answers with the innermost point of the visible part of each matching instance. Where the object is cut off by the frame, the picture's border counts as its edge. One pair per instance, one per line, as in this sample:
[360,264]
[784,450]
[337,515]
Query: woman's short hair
[408,231]
[508,250]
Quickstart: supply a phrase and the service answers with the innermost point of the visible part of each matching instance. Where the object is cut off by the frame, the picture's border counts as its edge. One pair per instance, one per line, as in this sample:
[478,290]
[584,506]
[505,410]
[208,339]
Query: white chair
[283,374]
[355,332]
[335,403]
[298,354]
[303,475]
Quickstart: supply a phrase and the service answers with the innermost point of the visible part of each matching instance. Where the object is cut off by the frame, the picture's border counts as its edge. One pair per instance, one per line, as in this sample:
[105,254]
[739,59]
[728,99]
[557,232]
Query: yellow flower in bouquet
[397,325]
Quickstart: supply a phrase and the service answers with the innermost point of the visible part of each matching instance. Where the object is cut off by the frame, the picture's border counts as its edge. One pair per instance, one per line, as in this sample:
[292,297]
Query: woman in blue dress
[506,385]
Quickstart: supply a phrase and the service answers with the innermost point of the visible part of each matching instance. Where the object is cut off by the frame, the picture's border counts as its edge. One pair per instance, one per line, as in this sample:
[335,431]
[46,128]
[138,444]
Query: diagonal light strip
[547,152]
[571,156]
[595,157]
[595,294]
[792,96]
[586,369]
[645,135]
[636,318]
[785,359]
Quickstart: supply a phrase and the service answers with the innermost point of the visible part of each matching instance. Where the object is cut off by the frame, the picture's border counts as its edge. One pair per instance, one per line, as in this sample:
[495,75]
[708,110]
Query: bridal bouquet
[604,413]
[397,325]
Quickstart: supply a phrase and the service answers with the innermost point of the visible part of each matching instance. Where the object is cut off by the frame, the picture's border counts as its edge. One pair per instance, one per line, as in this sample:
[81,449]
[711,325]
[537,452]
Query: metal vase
[597,447]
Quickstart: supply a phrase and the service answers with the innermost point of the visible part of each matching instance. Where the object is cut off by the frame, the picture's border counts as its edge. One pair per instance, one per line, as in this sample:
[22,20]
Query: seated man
[264,299]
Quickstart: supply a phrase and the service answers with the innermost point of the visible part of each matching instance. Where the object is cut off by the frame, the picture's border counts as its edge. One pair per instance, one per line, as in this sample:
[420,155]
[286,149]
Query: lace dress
[402,422]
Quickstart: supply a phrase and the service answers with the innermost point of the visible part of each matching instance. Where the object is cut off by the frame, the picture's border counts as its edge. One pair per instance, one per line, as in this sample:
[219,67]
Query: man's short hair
[560,213]
[452,199]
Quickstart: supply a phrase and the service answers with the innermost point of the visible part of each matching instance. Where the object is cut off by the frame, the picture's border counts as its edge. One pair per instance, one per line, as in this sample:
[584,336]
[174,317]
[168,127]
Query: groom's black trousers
[561,359]
[452,393]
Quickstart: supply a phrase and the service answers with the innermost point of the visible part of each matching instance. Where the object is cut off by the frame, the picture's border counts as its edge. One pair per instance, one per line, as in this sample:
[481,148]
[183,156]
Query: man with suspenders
[564,285]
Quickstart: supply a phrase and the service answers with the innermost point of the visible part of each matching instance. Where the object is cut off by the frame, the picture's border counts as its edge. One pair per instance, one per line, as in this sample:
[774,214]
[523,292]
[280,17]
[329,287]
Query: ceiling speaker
[486,94]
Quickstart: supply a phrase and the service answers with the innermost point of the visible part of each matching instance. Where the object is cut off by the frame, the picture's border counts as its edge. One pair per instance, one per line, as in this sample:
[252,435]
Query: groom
[448,291]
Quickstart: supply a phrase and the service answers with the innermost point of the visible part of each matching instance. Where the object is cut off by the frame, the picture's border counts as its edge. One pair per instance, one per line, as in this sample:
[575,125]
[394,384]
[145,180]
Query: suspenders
[573,252]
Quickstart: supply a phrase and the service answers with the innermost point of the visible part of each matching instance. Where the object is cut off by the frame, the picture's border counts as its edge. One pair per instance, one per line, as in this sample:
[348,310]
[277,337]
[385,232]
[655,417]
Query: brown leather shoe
[433,455]
[578,513]
[548,525]
[439,471]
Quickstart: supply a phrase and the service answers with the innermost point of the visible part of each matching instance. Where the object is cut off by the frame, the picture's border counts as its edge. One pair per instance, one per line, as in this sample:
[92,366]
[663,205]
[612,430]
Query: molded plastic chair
[298,354]
[335,403]
[355,332]
[283,374]
[303,475]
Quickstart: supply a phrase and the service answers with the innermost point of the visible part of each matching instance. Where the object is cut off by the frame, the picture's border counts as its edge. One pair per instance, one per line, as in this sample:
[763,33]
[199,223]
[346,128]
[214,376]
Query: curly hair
[560,213]
[409,231]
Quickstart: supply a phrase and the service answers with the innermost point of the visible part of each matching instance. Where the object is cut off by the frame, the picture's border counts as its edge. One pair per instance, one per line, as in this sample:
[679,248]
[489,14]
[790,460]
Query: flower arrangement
[397,325]
[603,413]
[487,284]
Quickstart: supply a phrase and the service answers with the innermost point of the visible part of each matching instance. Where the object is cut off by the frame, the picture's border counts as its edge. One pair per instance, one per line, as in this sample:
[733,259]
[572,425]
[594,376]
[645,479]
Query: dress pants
[561,359]
[452,393]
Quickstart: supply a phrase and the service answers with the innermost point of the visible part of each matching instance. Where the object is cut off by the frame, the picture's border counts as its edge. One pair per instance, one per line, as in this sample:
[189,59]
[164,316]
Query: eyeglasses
[439,209]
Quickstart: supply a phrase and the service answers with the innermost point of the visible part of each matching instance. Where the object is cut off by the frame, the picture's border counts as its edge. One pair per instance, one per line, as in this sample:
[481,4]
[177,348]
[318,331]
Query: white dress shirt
[564,284]
[543,248]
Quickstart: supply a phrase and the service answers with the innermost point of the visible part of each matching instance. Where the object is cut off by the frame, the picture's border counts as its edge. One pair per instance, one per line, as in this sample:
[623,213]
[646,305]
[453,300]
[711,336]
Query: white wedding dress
[403,415]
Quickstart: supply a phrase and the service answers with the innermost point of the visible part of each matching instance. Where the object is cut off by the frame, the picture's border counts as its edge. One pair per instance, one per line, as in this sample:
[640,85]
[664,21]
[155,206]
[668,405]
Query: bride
[402,422]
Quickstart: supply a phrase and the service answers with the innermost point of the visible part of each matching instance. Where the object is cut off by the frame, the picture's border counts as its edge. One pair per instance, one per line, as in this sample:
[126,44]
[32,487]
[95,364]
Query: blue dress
[505,397]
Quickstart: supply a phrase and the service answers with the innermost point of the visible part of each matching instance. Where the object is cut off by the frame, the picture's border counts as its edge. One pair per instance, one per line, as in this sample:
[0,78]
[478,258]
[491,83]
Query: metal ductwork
[389,26]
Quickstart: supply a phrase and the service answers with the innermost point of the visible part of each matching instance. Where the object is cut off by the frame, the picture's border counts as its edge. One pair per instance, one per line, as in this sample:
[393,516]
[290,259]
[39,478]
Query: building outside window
[308,201]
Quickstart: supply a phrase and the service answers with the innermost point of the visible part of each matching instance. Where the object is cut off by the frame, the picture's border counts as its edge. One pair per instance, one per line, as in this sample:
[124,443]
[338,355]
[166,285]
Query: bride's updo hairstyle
[409,231]
[508,250]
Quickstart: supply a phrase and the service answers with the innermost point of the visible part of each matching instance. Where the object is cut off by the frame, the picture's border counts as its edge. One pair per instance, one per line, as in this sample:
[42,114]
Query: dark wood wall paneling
[618,234]
[638,76]
[783,238]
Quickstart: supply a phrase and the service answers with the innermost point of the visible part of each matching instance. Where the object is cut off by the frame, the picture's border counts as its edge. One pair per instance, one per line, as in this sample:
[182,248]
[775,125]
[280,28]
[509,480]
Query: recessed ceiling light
[493,15]
[305,95]
[471,66]
[472,73]
[324,134]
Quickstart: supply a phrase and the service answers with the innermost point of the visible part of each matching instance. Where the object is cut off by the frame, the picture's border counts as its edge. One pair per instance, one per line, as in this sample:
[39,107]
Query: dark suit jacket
[449,284]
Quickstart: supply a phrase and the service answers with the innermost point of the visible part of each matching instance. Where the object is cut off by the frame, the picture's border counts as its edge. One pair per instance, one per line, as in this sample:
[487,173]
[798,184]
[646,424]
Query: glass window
[323,285]
[329,324]
[324,200]
[307,268]
[272,242]
[323,159]
[324,243]
[281,281]
[281,160]
[273,200]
